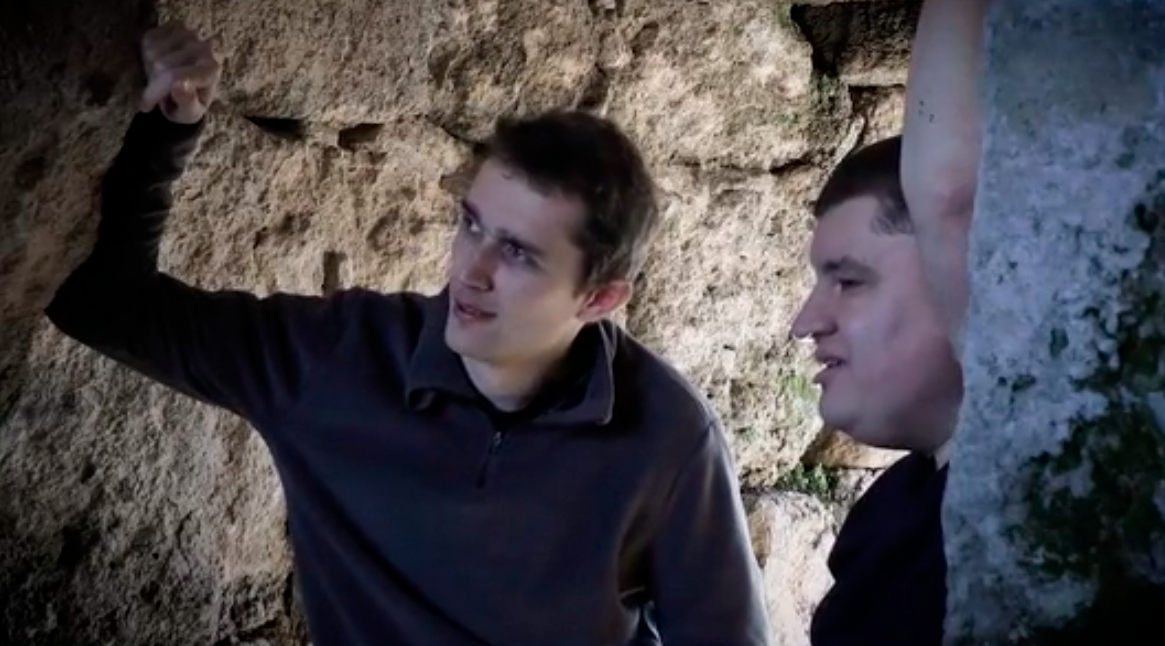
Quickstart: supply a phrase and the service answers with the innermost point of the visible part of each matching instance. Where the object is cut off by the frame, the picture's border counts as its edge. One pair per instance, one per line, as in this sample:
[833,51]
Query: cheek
[878,339]
[525,291]
[538,298]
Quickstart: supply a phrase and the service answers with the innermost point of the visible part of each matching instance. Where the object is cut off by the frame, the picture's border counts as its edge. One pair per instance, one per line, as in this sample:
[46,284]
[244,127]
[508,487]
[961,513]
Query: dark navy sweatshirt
[608,513]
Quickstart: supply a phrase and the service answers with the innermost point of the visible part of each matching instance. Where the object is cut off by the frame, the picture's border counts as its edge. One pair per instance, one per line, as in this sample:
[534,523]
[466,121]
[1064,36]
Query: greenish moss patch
[816,480]
[1097,536]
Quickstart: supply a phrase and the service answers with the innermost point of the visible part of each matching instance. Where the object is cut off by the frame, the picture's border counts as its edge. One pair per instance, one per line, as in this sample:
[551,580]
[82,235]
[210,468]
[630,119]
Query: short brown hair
[872,171]
[588,158]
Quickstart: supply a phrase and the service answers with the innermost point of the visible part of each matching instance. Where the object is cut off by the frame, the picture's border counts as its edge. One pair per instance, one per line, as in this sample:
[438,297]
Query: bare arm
[941,145]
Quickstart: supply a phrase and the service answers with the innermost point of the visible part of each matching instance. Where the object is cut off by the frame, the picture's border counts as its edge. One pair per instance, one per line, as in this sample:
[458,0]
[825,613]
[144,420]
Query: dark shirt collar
[584,397]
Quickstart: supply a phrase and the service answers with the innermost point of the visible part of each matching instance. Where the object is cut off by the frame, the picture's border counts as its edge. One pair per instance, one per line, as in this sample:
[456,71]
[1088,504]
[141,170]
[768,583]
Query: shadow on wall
[66,73]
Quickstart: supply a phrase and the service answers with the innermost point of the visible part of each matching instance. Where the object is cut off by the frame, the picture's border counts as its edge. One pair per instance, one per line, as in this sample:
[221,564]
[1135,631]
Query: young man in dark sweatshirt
[494,464]
[889,250]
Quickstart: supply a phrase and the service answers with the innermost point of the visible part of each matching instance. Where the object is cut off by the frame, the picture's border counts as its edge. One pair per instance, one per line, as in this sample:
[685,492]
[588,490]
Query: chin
[851,425]
[882,437]
[459,343]
[880,441]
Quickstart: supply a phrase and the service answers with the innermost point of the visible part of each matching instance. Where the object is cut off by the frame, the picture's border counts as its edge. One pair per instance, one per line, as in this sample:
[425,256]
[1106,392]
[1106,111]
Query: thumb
[156,90]
[184,94]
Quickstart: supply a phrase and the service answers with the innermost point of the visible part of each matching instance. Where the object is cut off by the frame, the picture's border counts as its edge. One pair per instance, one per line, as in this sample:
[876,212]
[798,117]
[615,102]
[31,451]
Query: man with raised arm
[889,251]
[497,464]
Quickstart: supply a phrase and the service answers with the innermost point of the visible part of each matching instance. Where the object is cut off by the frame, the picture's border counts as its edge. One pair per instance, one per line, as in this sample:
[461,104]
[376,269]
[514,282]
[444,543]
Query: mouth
[468,314]
[828,367]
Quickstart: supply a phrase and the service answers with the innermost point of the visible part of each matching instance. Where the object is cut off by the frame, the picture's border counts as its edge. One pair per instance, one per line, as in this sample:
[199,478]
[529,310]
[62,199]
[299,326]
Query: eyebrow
[502,234]
[844,264]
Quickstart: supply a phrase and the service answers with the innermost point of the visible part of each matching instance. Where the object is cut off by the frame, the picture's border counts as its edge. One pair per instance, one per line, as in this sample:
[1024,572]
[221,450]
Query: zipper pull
[494,444]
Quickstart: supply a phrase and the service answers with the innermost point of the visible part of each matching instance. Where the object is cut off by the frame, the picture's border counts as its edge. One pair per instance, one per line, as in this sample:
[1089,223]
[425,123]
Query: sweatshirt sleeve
[706,583]
[247,354]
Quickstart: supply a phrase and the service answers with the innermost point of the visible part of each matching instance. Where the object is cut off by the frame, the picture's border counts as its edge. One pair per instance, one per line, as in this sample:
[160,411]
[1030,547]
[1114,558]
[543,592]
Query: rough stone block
[1054,510]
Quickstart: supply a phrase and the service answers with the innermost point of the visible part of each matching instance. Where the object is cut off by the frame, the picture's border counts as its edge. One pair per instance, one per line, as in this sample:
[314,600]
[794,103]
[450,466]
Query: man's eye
[469,223]
[514,251]
[517,253]
[848,283]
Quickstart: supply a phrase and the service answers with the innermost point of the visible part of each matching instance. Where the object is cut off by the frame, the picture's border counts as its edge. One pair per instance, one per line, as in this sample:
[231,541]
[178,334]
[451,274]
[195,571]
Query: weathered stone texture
[725,234]
[1054,510]
[861,43]
[792,535]
[327,60]
[133,515]
[833,448]
[725,83]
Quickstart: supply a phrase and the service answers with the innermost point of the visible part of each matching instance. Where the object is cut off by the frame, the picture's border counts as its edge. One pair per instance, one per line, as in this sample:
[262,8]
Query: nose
[478,269]
[814,320]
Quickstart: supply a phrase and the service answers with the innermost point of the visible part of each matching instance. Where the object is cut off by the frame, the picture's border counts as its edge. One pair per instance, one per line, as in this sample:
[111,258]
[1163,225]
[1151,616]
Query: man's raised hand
[182,73]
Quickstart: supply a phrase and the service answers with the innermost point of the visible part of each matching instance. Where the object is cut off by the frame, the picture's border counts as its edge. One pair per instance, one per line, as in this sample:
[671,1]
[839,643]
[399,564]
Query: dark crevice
[821,37]
[594,95]
[30,172]
[350,138]
[281,128]
[333,270]
[792,165]
[644,38]
[98,88]
[809,160]
[453,134]
[606,8]
[844,32]
[77,541]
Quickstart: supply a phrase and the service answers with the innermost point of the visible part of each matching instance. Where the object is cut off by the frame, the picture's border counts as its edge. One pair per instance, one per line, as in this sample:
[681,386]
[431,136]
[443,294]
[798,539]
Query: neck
[510,387]
[948,420]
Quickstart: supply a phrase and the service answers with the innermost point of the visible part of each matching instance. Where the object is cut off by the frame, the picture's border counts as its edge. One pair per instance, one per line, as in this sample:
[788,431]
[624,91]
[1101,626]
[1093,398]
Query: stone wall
[1055,507]
[132,515]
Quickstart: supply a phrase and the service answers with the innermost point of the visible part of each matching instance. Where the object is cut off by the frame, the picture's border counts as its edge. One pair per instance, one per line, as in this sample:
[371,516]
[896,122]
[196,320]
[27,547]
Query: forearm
[135,203]
[941,145]
[942,129]
[137,191]
[230,348]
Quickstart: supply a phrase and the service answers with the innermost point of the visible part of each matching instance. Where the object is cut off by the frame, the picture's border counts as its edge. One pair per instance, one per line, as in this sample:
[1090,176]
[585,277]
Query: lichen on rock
[1053,518]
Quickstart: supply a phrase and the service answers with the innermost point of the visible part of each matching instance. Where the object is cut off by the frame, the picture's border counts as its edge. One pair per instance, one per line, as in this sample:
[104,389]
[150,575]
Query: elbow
[954,203]
[94,295]
[72,308]
[942,201]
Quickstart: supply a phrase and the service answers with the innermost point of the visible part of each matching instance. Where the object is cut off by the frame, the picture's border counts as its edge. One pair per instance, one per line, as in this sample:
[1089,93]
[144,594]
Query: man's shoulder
[659,391]
[909,491]
[907,479]
[391,319]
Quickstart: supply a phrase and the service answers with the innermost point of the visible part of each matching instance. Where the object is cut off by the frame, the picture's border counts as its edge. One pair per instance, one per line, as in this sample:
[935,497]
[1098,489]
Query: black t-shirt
[888,564]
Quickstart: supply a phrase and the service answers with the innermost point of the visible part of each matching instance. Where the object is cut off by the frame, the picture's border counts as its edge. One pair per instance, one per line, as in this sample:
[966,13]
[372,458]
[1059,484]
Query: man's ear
[604,299]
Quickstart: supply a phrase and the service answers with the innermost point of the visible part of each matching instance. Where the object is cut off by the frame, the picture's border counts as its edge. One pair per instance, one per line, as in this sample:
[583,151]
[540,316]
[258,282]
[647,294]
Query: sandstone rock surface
[792,536]
[132,515]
